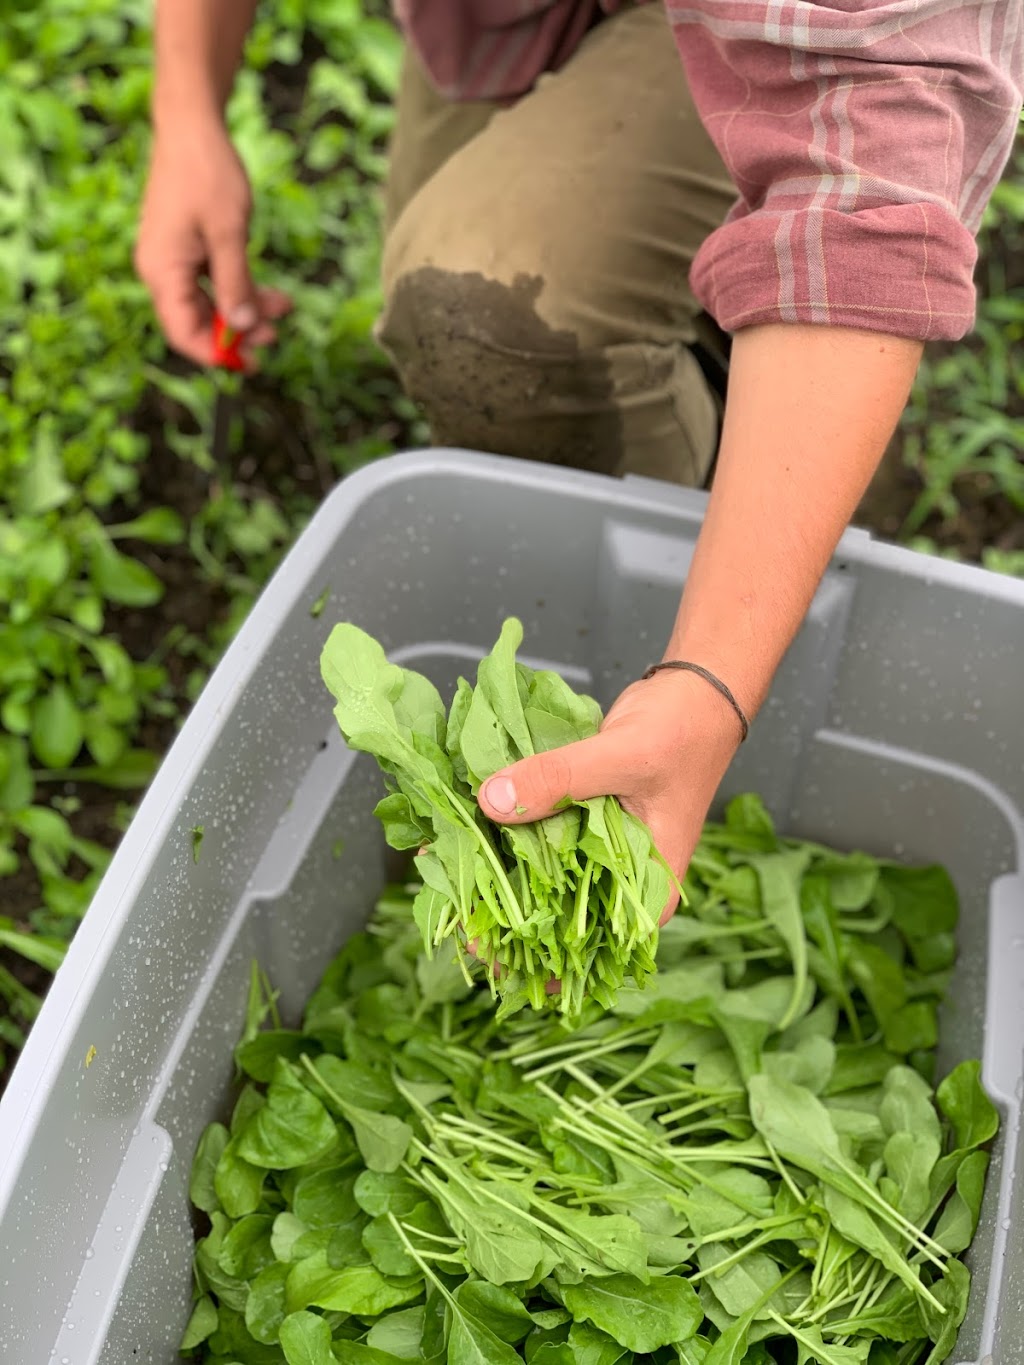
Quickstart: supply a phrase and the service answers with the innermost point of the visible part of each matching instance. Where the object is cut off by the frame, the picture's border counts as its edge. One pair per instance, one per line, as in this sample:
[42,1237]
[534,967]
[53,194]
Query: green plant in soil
[963,431]
[707,1172]
[90,401]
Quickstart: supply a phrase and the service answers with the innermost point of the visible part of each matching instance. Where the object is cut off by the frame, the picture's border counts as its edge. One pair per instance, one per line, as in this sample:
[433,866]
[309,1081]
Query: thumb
[536,787]
[233,288]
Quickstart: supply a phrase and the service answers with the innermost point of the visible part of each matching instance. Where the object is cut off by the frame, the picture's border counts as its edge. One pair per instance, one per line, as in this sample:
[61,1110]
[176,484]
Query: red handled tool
[226,343]
[227,355]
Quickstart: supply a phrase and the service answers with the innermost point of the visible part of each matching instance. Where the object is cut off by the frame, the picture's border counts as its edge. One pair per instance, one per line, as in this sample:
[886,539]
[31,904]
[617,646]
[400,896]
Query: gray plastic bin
[894,725]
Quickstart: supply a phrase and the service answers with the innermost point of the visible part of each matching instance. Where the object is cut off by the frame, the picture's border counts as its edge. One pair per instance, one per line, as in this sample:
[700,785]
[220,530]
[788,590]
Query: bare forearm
[810,412]
[198,50]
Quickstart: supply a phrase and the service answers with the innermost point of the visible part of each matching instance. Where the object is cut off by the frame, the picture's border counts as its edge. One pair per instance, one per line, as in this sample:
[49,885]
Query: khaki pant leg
[428,130]
[536,288]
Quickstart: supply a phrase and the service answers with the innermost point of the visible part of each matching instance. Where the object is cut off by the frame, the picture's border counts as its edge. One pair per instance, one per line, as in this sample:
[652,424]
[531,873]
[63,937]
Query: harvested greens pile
[744,1162]
[575,898]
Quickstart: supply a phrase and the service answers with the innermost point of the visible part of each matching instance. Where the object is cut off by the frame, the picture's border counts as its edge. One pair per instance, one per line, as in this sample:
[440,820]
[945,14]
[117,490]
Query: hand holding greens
[575,898]
[745,1163]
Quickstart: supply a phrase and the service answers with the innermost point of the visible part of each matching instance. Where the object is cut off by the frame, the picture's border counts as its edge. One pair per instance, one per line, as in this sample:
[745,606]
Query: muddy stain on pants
[536,259]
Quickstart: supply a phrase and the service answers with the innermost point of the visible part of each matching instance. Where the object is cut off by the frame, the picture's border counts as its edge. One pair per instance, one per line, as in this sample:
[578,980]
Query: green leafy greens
[575,898]
[745,1163]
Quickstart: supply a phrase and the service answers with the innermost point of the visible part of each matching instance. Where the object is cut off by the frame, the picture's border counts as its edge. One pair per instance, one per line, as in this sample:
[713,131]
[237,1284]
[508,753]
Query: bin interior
[892,727]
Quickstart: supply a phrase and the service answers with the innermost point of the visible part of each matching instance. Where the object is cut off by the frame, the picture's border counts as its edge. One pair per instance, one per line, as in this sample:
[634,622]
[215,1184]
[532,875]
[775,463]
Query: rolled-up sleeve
[865,138]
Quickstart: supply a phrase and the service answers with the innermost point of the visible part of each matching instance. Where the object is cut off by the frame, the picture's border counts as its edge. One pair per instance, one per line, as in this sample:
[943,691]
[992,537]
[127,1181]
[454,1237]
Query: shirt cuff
[905,270]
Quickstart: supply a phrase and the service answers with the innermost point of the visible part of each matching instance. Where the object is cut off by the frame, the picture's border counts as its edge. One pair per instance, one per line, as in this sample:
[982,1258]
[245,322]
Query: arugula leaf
[728,1196]
[963,1101]
[257,1056]
[502,1244]
[383,1139]
[852,879]
[246,1249]
[202,1324]
[403,827]
[575,897]
[614,1241]
[201,1188]
[378,1192]
[830,963]
[229,1291]
[696,1351]
[924,905]
[748,817]
[368,692]
[386,1247]
[351,1352]
[290,1129]
[233,1342]
[501,705]
[798,1127]
[741,1283]
[910,1158]
[399,1333]
[237,1183]
[306,1340]
[249,1101]
[505,1314]
[641,1317]
[952,1291]
[809,1064]
[779,875]
[360,1289]
[959,1219]
[265,1308]
[716,1170]
[812,1349]
[326,1198]
[855,1222]
[285,1233]
[471,1342]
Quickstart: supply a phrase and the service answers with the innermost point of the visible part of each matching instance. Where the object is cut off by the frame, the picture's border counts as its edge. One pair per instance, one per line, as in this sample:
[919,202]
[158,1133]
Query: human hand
[662,750]
[195,220]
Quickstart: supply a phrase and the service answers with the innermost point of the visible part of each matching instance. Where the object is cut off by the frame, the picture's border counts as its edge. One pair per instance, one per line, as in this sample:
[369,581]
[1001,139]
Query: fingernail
[500,795]
[243,317]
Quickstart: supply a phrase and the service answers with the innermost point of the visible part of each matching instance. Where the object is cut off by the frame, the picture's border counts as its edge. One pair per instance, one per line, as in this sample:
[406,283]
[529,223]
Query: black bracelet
[716,683]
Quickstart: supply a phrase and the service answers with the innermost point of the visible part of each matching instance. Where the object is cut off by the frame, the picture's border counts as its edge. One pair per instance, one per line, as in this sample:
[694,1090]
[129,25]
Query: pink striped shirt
[864,137]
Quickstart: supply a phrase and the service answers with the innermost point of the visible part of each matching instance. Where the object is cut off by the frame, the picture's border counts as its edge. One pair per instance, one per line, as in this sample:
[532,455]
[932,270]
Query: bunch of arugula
[743,1163]
[574,898]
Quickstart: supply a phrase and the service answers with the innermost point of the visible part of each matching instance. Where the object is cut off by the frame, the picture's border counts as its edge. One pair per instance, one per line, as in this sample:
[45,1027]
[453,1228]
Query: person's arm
[195,217]
[811,410]
[864,143]
[198,48]
[864,140]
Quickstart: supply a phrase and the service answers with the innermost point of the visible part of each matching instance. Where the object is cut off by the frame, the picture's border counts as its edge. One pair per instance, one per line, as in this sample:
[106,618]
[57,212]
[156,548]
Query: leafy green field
[956,484]
[127,558]
[114,604]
